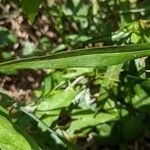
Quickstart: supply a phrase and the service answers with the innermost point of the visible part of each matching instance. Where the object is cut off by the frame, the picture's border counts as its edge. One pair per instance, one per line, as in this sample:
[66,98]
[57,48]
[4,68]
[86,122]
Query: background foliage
[74,108]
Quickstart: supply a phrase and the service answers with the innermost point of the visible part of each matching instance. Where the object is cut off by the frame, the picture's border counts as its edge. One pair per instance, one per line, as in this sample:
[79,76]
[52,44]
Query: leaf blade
[94,57]
[10,138]
[30,8]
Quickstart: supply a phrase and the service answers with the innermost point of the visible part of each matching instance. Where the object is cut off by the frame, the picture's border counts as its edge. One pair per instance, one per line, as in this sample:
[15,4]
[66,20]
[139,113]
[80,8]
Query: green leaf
[51,105]
[82,58]
[84,119]
[58,100]
[135,38]
[29,138]
[30,8]
[146,85]
[125,18]
[48,117]
[10,139]
[141,100]
[111,76]
[107,84]
[6,37]
[104,130]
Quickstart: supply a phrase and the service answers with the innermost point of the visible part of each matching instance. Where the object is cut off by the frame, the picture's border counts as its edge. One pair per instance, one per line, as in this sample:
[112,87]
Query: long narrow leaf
[82,58]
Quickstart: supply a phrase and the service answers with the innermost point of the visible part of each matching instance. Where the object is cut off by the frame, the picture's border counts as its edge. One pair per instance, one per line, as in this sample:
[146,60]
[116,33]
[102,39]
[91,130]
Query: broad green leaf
[49,109]
[58,100]
[30,8]
[10,139]
[82,58]
[85,119]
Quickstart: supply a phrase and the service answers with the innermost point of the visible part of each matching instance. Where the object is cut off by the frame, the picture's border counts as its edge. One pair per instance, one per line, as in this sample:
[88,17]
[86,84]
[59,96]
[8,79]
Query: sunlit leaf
[10,139]
[84,119]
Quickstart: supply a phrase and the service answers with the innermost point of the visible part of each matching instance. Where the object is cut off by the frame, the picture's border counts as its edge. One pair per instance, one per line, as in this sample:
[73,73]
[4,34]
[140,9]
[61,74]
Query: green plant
[101,91]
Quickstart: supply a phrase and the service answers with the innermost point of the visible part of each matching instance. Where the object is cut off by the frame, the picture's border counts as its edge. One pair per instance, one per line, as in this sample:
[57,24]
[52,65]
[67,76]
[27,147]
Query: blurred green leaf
[146,85]
[30,8]
[6,37]
[6,55]
[141,100]
[135,38]
[105,130]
